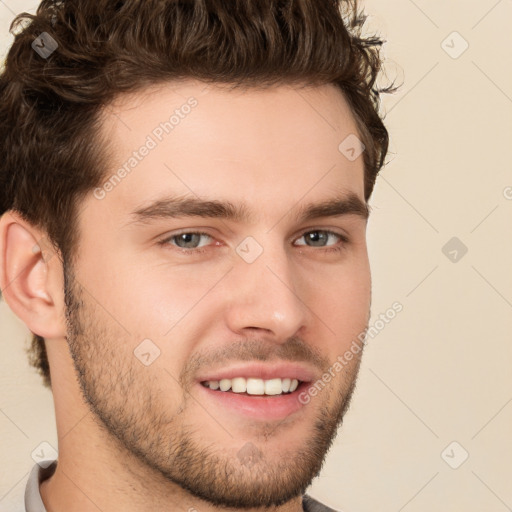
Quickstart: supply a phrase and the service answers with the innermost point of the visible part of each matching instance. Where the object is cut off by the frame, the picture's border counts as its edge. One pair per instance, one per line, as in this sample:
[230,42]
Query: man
[184,199]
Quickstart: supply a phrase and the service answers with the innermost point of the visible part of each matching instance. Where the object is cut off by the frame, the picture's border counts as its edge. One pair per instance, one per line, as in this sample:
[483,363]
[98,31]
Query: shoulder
[309,504]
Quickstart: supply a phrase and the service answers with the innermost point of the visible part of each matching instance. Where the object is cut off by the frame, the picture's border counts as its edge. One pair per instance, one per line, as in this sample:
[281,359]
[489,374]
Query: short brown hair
[50,107]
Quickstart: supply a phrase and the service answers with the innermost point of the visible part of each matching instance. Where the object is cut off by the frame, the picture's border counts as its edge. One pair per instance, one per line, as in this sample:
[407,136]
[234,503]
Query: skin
[135,437]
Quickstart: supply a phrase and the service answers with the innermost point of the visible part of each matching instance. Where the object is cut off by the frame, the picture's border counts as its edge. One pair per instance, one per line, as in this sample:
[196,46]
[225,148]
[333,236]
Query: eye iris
[316,236]
[186,239]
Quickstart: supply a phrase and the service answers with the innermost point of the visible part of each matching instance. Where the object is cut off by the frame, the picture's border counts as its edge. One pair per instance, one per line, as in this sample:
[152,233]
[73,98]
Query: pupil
[316,236]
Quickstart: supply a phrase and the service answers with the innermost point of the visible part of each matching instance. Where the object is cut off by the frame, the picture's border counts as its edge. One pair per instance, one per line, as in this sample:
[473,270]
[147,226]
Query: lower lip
[261,407]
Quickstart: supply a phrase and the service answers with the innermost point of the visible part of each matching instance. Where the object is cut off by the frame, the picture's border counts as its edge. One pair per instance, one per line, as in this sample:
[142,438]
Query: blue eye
[187,240]
[319,238]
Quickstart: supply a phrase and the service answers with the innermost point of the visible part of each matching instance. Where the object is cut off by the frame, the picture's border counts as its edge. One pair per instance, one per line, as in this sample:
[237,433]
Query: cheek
[165,303]
[341,300]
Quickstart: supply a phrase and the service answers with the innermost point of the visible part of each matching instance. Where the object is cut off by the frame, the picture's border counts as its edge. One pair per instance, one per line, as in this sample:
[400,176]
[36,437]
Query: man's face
[155,308]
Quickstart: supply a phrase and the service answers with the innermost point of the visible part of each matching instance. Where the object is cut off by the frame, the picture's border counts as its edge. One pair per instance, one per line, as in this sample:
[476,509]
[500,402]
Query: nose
[264,295]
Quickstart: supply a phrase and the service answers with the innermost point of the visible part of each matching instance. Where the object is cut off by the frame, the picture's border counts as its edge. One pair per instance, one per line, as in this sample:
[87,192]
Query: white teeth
[253,386]
[273,387]
[225,384]
[238,385]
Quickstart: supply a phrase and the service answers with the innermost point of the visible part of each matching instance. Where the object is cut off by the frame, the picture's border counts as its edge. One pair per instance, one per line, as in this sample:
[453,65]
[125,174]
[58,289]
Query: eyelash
[191,252]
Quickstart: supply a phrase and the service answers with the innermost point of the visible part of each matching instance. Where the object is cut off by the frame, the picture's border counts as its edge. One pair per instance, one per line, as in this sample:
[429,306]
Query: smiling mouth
[254,387]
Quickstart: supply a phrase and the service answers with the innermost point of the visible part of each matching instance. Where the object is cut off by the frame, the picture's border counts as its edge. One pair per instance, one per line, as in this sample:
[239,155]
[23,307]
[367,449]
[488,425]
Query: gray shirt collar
[40,472]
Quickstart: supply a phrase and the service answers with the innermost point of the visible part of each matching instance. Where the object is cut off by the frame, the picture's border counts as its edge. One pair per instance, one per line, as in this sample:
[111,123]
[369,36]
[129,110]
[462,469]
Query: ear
[31,277]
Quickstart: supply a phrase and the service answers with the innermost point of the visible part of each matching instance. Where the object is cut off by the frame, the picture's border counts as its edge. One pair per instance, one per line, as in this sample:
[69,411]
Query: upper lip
[262,371]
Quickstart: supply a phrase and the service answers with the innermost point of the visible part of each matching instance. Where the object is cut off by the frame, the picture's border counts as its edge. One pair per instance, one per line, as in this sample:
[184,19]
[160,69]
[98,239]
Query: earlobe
[27,269]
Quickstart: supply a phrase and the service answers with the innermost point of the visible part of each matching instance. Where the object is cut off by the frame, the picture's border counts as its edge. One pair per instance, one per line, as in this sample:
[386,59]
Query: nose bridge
[263,289]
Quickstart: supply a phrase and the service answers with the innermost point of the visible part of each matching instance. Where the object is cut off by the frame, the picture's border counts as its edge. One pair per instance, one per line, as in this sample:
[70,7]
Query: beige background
[440,371]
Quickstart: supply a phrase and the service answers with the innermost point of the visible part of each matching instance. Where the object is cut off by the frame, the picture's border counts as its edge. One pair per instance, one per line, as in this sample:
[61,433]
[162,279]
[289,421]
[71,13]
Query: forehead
[211,141]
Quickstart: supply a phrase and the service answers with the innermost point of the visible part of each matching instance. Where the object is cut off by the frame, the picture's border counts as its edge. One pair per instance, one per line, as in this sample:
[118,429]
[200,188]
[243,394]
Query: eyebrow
[176,207]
